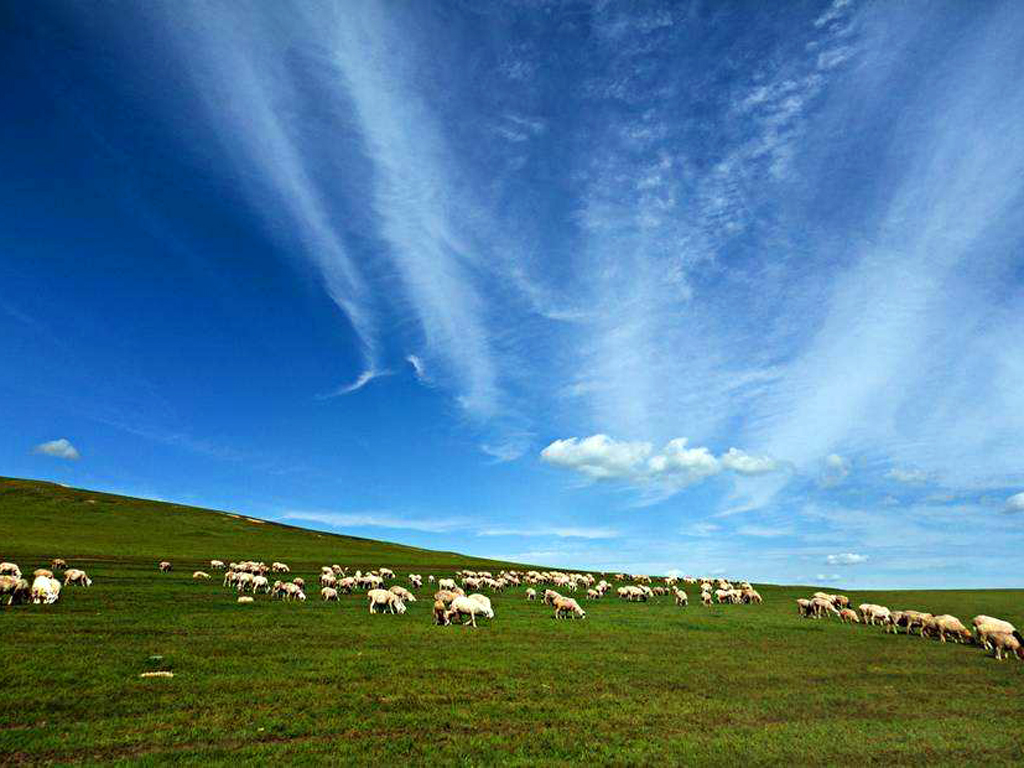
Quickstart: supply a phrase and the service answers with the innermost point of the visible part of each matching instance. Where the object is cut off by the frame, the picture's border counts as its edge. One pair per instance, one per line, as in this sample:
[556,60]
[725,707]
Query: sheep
[984,626]
[289,591]
[448,584]
[15,588]
[751,595]
[945,624]
[10,569]
[681,599]
[299,582]
[549,596]
[404,594]
[803,606]
[200,575]
[911,619]
[565,605]
[593,594]
[440,614]
[705,599]
[260,582]
[346,584]
[329,593]
[43,572]
[445,596]
[483,600]
[217,565]
[463,606]
[280,568]
[878,614]
[416,580]
[165,566]
[58,564]
[386,573]
[848,616]
[821,606]
[388,600]
[531,594]
[76,576]
[1006,642]
[328,579]
[430,578]
[245,599]
[243,580]
[45,589]
[840,601]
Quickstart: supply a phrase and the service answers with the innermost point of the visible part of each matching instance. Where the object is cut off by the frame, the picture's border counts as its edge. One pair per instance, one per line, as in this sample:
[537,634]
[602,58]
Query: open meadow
[310,682]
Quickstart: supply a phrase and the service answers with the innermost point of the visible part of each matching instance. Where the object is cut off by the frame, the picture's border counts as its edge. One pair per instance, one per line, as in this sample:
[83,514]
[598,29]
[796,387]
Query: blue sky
[709,287]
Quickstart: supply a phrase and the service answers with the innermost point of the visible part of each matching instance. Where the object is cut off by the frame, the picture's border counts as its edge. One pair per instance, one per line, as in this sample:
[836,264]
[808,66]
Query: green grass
[314,683]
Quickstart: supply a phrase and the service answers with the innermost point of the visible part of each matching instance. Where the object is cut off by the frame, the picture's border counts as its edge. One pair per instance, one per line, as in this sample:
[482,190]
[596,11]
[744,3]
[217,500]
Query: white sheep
[463,606]
[45,589]
[385,599]
[329,593]
[483,600]
[531,594]
[217,565]
[76,576]
[245,599]
[403,594]
[1006,642]
[566,605]
[984,626]
[200,575]
[165,566]
[280,568]
[10,569]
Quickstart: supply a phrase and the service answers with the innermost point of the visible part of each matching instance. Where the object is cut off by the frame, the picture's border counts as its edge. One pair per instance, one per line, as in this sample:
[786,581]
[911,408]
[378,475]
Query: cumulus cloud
[59,449]
[600,457]
[846,558]
[906,475]
[837,469]
[746,464]
[1015,503]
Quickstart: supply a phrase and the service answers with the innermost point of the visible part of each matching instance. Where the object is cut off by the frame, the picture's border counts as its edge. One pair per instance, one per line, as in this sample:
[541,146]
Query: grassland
[315,683]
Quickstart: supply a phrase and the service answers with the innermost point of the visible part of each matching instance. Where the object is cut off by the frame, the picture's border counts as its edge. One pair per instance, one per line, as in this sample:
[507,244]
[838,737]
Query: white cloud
[60,449]
[907,475]
[837,469]
[701,530]
[746,464]
[846,558]
[343,520]
[821,577]
[418,367]
[763,531]
[1015,503]
[361,381]
[567,532]
[675,466]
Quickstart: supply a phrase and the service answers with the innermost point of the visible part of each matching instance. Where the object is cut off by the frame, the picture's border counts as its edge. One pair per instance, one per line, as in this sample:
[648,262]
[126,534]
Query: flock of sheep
[461,597]
[452,602]
[45,587]
[996,635]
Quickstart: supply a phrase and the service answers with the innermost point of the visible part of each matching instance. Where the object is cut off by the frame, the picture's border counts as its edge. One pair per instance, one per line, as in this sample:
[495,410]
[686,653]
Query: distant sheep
[446,584]
[58,563]
[986,626]
[14,588]
[280,568]
[681,599]
[848,616]
[329,593]
[165,566]
[1006,642]
[403,594]
[440,614]
[567,606]
[245,599]
[803,607]
[944,625]
[463,606]
[386,600]
[200,575]
[46,590]
[10,569]
[43,572]
[217,565]
[77,576]
[531,594]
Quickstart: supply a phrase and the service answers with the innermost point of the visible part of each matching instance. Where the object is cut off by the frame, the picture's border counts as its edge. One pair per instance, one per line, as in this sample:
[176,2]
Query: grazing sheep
[43,572]
[329,593]
[984,626]
[840,601]
[549,596]
[531,594]
[803,607]
[681,599]
[165,566]
[389,601]
[463,606]
[945,624]
[705,599]
[751,595]
[1006,642]
[911,619]
[848,616]
[416,580]
[566,605]
[386,573]
[289,591]
[15,588]
[347,584]
[46,590]
[593,594]
[10,569]
[445,596]
[280,568]
[299,582]
[76,576]
[483,600]
[448,584]
[58,564]
[404,594]
[878,614]
[260,582]
[217,565]
[821,607]
[440,614]
[200,575]
[328,579]
[245,599]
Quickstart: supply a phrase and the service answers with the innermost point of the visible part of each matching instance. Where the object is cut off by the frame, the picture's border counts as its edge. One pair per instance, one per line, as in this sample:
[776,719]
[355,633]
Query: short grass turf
[318,683]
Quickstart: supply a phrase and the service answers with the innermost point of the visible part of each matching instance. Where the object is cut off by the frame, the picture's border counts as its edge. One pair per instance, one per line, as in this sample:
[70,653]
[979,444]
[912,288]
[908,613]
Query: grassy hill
[322,682]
